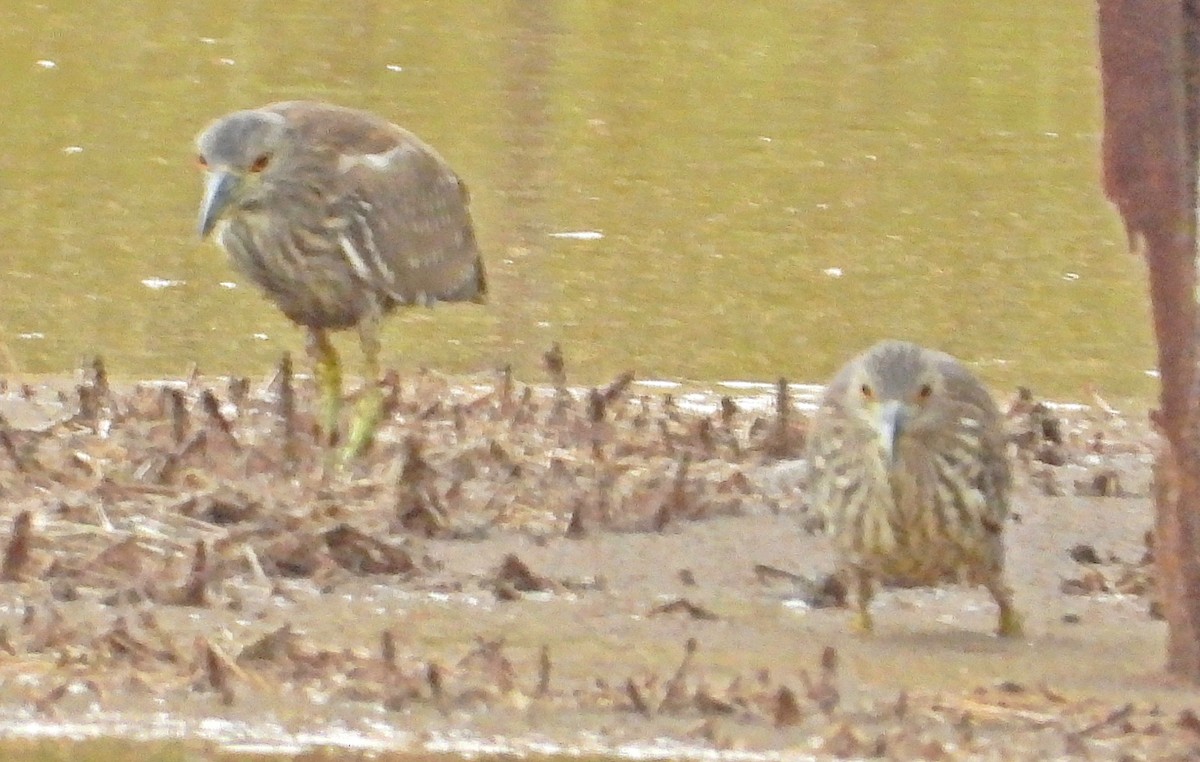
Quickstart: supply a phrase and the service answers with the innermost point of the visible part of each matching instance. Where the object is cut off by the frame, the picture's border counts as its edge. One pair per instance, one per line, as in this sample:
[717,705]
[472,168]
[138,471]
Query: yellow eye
[260,163]
[867,391]
[924,392]
[201,162]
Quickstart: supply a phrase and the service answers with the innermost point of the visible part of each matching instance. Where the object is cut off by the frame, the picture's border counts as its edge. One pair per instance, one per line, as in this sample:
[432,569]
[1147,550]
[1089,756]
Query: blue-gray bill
[219,189]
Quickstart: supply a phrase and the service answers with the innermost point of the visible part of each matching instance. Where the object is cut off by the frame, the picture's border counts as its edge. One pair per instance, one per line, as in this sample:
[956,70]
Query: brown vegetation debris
[214,494]
[514,577]
[827,591]
[222,507]
[16,553]
[1084,554]
[359,553]
[787,708]
[1104,483]
[683,605]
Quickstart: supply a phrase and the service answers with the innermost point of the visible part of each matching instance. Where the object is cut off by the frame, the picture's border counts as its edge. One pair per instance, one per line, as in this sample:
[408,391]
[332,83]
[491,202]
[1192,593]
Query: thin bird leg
[863,622]
[1009,624]
[370,406]
[328,372]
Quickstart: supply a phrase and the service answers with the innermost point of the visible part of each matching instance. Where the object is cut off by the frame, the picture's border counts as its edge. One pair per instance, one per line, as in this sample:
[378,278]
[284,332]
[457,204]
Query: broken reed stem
[217,672]
[179,416]
[704,433]
[100,378]
[781,437]
[437,690]
[598,433]
[238,390]
[212,408]
[388,649]
[415,468]
[287,407]
[596,405]
[16,555]
[617,388]
[635,697]
[506,390]
[576,529]
[675,695]
[543,683]
[555,366]
[194,592]
[10,446]
[676,502]
[787,708]
[729,410]
[89,408]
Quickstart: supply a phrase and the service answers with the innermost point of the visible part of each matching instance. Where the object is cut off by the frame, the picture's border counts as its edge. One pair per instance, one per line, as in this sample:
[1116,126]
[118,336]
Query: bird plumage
[338,216]
[909,470]
[348,213]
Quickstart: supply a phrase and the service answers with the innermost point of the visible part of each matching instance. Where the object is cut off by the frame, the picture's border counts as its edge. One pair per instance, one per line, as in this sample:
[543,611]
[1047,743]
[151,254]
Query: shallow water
[696,192]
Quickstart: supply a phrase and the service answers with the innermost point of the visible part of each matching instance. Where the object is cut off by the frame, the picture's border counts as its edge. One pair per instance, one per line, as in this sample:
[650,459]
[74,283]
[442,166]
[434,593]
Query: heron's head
[237,153]
[895,389]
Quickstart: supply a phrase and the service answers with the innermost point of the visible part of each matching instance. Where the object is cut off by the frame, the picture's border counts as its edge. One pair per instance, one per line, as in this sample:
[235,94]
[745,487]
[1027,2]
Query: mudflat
[549,570]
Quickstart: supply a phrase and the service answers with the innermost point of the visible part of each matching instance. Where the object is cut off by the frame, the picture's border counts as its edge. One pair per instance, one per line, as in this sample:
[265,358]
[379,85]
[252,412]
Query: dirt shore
[626,570]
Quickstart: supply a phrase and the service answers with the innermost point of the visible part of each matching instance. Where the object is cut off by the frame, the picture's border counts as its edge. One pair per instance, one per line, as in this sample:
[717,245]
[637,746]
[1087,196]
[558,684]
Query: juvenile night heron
[338,216]
[908,467]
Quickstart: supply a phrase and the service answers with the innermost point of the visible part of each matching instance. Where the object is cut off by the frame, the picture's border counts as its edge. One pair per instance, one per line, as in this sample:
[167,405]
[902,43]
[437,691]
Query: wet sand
[621,571]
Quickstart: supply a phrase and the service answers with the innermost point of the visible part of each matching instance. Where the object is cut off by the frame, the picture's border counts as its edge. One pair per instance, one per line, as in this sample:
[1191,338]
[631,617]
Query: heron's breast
[300,269]
[907,520]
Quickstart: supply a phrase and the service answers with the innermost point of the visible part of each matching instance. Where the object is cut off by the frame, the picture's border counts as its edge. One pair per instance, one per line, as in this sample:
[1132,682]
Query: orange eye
[924,392]
[867,391]
[201,162]
[260,163]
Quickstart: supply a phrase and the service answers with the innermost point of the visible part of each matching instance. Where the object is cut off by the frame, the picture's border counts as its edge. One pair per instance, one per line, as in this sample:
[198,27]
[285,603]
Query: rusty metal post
[1149,56]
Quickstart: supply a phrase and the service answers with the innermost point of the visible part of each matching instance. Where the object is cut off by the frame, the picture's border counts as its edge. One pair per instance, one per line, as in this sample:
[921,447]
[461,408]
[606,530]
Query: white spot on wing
[375,161]
[379,161]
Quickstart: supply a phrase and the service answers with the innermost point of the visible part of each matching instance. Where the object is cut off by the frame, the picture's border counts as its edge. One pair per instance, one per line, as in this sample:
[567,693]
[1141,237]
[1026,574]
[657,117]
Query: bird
[908,467]
[338,216]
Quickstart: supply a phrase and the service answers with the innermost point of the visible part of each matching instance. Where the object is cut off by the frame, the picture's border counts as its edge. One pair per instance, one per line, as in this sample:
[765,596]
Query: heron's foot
[865,591]
[1010,624]
[366,420]
[863,623]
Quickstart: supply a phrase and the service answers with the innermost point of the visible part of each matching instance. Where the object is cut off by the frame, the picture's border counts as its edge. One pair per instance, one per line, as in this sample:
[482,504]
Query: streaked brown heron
[908,467]
[338,216]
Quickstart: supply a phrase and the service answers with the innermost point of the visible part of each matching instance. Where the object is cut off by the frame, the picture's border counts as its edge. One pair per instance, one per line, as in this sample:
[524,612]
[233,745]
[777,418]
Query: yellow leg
[370,406]
[863,622]
[1009,624]
[328,371]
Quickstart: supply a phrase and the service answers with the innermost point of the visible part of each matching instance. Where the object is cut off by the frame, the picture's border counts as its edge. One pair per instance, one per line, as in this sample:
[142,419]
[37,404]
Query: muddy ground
[549,570]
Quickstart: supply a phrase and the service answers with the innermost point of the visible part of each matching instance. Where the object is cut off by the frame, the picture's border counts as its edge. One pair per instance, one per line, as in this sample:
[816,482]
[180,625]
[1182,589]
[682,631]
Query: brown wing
[409,233]
[976,402]
[336,128]
[963,386]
